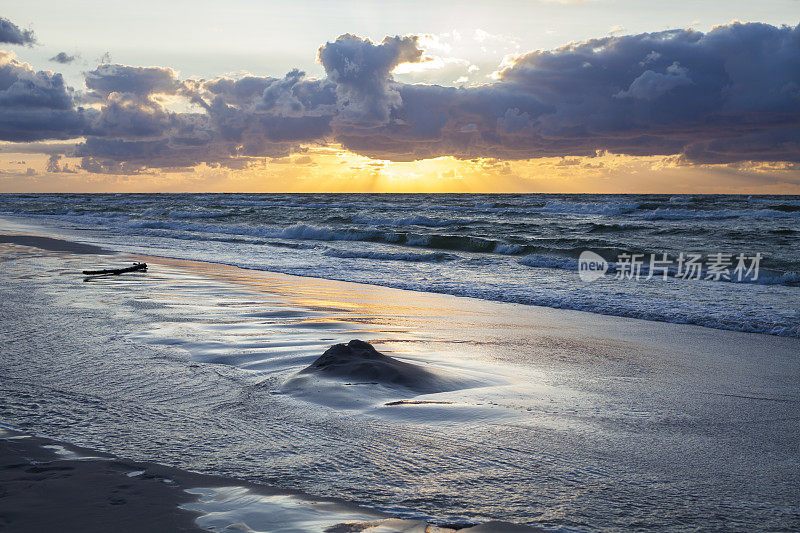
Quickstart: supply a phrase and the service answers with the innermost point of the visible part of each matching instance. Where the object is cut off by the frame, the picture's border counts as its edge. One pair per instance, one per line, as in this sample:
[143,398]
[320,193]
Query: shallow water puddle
[71,455]
[240,509]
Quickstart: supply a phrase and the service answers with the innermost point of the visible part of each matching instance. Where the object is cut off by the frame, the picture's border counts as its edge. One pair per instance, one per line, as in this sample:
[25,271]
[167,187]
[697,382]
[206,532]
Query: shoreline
[51,244]
[89,491]
[714,321]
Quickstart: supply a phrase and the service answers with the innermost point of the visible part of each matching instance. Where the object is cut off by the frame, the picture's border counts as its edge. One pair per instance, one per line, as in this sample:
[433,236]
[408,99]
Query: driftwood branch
[115,271]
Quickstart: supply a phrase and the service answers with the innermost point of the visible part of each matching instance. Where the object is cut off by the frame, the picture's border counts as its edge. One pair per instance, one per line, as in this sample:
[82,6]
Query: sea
[727,262]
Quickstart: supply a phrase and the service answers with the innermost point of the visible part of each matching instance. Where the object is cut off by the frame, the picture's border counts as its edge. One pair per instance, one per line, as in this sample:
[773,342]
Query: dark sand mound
[359,361]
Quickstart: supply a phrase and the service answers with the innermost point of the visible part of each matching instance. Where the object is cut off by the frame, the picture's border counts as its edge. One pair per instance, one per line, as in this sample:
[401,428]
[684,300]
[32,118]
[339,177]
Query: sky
[390,96]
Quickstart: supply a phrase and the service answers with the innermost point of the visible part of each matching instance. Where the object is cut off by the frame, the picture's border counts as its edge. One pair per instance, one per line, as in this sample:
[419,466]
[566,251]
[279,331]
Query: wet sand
[52,245]
[41,490]
[47,485]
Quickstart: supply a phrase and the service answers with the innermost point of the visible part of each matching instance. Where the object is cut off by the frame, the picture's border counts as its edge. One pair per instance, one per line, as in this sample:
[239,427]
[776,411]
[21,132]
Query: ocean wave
[786,208]
[589,208]
[321,233]
[612,228]
[296,231]
[463,243]
[508,249]
[200,214]
[496,205]
[419,220]
[570,262]
[434,257]
[767,277]
[668,213]
[549,261]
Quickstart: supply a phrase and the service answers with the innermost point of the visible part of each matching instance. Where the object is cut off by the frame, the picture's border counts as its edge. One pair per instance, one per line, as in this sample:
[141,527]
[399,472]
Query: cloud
[35,105]
[650,85]
[303,160]
[362,70]
[127,116]
[12,34]
[711,97]
[725,96]
[239,119]
[63,58]
[140,81]
[54,165]
[667,92]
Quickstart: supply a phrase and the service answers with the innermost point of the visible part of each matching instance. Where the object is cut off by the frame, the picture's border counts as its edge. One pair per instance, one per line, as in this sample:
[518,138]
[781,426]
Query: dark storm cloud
[63,58]
[731,94]
[12,34]
[140,81]
[35,105]
[126,116]
[249,117]
[728,95]
[644,93]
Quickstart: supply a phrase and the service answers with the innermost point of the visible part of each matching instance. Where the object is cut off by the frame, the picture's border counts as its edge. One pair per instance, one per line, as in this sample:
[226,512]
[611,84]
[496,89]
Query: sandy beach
[49,485]
[546,417]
